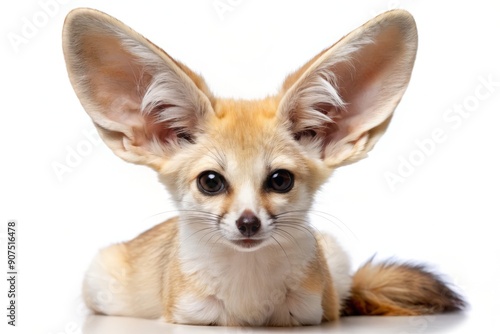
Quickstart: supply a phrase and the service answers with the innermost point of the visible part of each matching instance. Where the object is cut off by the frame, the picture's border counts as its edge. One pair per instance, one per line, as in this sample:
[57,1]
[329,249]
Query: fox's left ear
[340,102]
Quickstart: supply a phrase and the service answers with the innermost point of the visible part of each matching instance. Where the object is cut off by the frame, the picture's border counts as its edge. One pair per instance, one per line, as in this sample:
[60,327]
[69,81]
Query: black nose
[248,224]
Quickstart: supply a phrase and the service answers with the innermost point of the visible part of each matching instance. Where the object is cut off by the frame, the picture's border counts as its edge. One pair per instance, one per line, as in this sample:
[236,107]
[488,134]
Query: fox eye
[211,183]
[280,181]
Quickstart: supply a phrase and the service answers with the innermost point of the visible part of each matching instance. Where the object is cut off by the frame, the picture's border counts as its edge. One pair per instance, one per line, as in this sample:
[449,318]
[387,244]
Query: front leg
[304,308]
[193,309]
[314,299]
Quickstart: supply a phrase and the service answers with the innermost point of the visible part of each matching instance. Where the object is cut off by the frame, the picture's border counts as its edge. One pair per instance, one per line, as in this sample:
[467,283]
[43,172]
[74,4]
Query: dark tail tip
[400,289]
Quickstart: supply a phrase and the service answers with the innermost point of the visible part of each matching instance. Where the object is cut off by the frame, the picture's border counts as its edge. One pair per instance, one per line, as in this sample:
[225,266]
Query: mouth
[247,243]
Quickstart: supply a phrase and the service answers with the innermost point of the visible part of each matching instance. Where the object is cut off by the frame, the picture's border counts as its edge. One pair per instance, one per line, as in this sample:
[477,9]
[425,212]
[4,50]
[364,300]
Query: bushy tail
[399,289]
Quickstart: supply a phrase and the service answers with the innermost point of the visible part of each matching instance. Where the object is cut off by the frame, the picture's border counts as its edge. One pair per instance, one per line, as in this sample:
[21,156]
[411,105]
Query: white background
[445,213]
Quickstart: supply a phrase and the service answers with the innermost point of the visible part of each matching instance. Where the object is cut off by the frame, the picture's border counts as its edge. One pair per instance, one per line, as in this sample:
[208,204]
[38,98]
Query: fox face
[248,177]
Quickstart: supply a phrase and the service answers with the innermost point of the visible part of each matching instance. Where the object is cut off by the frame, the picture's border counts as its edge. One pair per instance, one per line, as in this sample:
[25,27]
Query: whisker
[214,233]
[159,214]
[213,245]
[284,252]
[290,236]
[198,231]
[188,214]
[324,215]
[206,213]
[297,227]
[337,222]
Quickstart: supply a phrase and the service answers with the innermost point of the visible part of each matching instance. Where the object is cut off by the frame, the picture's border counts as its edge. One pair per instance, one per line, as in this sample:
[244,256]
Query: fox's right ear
[144,104]
[339,104]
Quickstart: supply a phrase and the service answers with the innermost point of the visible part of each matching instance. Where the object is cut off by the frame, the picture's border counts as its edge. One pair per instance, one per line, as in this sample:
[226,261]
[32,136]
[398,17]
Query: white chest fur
[248,288]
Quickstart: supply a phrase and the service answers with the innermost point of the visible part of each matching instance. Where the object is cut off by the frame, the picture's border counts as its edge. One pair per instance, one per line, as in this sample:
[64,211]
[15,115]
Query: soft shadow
[443,323]
[96,324]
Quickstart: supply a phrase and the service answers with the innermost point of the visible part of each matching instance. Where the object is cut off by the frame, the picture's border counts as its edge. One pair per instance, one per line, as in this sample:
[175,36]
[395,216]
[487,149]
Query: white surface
[357,325]
[445,213]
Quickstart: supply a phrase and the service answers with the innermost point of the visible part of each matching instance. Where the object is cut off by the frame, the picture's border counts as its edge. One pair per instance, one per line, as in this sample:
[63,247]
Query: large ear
[144,104]
[340,102]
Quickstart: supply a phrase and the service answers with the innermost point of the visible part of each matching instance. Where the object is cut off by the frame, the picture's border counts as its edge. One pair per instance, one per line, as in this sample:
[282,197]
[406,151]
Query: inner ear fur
[144,104]
[339,103]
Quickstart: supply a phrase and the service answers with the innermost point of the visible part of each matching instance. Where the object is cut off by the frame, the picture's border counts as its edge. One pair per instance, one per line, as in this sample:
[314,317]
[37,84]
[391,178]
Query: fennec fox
[243,174]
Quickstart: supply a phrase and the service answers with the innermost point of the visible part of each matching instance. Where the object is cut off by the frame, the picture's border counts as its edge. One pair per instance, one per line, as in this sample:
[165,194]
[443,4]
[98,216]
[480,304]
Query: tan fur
[318,277]
[400,289]
[153,110]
